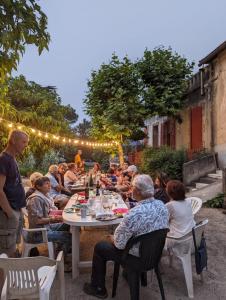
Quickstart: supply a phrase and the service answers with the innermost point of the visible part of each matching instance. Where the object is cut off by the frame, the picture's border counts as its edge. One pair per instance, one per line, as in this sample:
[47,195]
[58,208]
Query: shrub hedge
[163,159]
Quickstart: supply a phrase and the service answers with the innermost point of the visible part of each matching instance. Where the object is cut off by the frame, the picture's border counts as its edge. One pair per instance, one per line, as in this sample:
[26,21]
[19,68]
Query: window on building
[155,143]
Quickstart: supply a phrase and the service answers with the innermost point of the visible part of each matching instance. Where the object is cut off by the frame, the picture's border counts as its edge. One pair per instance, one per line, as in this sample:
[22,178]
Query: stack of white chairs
[31,277]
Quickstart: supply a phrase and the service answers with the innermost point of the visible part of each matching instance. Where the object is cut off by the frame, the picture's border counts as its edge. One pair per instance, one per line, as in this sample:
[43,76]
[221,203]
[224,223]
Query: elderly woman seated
[39,207]
[181,220]
[56,187]
[149,215]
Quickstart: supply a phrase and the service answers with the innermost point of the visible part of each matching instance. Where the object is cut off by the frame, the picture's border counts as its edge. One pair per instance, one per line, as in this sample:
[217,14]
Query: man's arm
[4,203]
[123,233]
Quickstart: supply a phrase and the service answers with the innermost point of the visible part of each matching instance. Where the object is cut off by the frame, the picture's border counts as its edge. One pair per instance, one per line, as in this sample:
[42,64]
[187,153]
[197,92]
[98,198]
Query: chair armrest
[42,230]
[60,274]
[3,255]
[173,238]
[182,238]
[34,229]
[60,257]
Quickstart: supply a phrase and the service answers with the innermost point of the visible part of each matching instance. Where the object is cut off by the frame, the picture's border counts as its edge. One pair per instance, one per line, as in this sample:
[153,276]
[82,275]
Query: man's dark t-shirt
[13,186]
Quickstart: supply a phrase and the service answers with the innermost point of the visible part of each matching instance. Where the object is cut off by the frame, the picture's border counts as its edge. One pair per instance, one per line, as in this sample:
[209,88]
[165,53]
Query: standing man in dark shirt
[12,196]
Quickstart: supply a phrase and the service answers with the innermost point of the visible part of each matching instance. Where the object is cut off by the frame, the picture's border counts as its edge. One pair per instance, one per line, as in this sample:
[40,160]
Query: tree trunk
[120,154]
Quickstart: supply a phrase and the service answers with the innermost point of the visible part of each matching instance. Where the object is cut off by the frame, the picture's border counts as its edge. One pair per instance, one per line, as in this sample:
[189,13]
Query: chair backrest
[199,229]
[150,250]
[196,204]
[21,274]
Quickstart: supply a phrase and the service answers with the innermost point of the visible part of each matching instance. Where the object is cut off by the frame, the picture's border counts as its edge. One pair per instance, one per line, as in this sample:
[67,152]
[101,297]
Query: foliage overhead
[113,101]
[164,75]
[122,94]
[22,22]
[83,129]
[40,106]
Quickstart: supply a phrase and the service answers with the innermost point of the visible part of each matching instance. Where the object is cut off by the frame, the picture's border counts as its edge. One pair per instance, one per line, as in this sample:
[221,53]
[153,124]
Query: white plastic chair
[182,248]
[26,246]
[196,204]
[31,277]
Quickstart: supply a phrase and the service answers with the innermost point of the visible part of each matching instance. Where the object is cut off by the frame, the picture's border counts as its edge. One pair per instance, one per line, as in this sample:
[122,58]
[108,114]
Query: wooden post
[224,187]
[120,153]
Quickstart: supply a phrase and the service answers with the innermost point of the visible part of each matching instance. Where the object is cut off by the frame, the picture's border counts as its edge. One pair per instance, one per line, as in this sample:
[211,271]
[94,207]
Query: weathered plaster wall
[219,108]
[183,130]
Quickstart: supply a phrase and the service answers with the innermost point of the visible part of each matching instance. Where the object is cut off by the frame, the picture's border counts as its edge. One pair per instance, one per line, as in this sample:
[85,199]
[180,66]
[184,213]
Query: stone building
[203,118]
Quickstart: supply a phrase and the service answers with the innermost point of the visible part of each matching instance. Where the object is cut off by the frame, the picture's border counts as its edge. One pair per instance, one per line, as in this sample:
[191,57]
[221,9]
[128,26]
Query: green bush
[51,157]
[27,164]
[216,202]
[163,159]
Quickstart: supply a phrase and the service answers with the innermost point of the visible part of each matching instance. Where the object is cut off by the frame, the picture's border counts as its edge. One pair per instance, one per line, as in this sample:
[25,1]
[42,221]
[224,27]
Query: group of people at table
[153,206]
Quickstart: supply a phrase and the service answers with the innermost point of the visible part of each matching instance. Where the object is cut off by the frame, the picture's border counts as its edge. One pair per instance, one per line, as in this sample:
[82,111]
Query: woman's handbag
[200,253]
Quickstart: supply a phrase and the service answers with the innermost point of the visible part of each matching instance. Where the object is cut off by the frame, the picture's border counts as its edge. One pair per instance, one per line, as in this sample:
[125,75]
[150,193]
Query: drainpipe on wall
[210,98]
[201,81]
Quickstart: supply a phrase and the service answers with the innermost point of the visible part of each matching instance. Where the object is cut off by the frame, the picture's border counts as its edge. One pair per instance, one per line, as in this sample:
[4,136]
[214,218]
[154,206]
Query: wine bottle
[98,188]
[87,191]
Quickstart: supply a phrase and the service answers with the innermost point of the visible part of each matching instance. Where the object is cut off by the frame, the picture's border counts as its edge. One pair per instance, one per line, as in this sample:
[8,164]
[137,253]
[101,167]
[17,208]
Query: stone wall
[197,168]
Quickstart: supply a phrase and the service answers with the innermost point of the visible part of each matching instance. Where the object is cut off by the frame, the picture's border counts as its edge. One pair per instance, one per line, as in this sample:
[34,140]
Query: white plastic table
[75,221]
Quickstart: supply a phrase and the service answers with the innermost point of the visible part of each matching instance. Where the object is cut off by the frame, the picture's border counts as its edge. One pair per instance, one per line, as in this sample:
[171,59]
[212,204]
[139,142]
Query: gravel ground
[214,286]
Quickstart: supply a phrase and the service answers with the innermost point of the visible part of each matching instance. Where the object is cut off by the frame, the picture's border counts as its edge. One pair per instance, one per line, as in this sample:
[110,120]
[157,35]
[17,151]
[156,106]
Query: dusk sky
[84,33]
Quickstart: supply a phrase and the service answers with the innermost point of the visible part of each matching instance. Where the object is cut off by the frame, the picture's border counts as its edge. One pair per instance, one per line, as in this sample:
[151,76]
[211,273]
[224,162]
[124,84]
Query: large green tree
[22,22]
[113,101]
[122,94]
[164,75]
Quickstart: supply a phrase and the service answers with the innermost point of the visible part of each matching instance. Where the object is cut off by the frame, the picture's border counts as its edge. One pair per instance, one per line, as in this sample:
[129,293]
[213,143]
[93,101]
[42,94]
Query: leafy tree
[122,94]
[113,101]
[22,22]
[164,77]
[40,107]
[83,129]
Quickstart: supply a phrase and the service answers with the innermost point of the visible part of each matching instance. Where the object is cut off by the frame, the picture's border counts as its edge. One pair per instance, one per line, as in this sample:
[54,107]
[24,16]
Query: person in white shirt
[181,220]
[69,176]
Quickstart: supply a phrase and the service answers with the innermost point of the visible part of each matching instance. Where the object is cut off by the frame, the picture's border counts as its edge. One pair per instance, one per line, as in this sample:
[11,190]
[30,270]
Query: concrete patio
[173,278]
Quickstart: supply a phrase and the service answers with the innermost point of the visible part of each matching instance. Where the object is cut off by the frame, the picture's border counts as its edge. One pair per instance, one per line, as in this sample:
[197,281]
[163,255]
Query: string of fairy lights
[56,138]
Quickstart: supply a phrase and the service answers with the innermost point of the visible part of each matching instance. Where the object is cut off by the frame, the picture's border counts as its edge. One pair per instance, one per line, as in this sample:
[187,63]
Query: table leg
[75,251]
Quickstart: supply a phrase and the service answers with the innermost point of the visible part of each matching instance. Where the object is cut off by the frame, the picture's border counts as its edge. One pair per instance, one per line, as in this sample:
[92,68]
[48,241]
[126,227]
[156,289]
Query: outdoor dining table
[75,221]
[77,187]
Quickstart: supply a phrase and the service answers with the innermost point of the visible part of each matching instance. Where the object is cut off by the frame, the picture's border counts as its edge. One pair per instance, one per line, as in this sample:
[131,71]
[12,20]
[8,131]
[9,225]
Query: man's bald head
[18,141]
[16,135]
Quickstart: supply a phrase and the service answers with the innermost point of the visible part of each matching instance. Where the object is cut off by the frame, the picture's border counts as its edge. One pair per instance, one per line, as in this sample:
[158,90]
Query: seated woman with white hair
[149,215]
[32,179]
[55,192]
[132,171]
